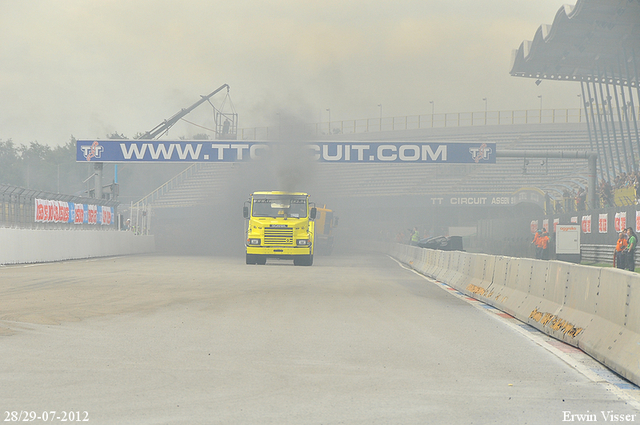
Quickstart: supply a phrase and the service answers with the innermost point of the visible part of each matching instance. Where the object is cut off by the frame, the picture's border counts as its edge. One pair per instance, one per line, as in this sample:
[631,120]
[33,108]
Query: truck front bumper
[279,251]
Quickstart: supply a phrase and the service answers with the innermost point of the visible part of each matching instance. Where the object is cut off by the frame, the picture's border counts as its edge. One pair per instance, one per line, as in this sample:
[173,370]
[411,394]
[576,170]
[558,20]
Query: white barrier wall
[34,246]
[595,309]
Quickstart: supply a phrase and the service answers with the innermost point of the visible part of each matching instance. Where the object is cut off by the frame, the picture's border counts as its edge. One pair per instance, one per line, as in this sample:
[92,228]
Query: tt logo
[481,153]
[93,151]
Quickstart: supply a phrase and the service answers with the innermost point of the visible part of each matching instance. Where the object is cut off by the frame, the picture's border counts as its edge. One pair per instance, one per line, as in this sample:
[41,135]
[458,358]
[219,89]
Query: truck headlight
[303,242]
[252,241]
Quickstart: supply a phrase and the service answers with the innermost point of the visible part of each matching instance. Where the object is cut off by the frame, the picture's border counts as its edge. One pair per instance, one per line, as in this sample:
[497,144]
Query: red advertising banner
[586,224]
[51,211]
[603,223]
[620,221]
[79,216]
[92,210]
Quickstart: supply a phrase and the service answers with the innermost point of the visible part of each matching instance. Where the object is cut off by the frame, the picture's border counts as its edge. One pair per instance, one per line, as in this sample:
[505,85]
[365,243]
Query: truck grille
[278,236]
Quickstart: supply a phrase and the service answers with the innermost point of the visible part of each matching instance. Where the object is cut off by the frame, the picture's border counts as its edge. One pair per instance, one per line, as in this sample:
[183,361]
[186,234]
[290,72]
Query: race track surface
[351,340]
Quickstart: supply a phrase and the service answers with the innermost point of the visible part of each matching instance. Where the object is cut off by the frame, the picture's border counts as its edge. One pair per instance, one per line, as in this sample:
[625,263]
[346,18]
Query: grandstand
[201,182]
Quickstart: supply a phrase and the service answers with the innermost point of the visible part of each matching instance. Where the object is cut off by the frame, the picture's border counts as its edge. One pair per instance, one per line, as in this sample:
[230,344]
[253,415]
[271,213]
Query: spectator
[630,250]
[618,257]
[544,245]
[415,236]
[536,242]
[581,199]
[567,197]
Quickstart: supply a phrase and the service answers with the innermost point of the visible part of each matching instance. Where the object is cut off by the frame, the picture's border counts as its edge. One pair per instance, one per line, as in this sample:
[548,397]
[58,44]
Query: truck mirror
[312,213]
[245,212]
[335,222]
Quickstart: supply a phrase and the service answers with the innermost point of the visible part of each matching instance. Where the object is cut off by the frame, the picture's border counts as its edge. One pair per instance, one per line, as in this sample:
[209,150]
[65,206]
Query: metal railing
[595,253]
[139,221]
[166,187]
[17,208]
[139,216]
[416,122]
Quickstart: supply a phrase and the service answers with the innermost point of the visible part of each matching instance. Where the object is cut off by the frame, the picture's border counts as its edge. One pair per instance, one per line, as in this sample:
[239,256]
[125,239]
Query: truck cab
[280,225]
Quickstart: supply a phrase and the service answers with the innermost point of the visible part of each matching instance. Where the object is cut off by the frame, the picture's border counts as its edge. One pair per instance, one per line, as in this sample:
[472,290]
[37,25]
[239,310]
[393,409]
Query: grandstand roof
[594,40]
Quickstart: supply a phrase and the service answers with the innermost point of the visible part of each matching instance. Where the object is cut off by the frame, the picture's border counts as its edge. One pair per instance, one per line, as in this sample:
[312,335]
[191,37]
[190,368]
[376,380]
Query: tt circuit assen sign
[351,152]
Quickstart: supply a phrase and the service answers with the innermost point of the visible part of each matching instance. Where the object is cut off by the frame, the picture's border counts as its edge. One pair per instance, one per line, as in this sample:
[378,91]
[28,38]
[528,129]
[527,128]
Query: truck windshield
[279,206]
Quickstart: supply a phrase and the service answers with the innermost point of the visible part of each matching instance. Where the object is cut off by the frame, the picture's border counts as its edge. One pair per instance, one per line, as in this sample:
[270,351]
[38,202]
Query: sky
[88,68]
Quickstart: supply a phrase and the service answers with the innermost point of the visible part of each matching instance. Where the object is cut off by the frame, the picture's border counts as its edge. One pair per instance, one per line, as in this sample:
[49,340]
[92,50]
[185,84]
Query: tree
[10,164]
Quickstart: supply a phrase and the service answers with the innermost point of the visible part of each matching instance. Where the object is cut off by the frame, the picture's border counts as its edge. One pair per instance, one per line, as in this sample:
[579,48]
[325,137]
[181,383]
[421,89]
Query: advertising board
[124,150]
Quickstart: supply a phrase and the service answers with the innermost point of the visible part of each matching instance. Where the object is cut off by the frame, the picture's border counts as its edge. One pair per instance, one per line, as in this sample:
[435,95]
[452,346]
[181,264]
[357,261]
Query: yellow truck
[280,226]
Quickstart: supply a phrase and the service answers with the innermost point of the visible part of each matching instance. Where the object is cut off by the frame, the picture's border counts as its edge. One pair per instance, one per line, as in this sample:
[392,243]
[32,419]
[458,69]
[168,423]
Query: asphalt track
[351,340]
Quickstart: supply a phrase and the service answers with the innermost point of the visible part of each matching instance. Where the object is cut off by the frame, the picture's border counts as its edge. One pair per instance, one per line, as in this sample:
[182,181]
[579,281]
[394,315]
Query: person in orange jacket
[544,245]
[536,243]
[621,244]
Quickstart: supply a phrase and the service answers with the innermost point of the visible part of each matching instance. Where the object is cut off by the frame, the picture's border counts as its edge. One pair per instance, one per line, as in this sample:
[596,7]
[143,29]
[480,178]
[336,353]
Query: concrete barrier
[442,265]
[432,262]
[19,246]
[456,269]
[481,272]
[501,275]
[595,309]
[558,275]
[515,294]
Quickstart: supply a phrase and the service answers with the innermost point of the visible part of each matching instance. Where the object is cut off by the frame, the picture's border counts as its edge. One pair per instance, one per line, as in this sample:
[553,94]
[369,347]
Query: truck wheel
[251,259]
[303,261]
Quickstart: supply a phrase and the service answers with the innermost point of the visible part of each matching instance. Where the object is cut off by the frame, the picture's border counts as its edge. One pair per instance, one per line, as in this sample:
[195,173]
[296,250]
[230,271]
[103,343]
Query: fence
[18,208]
[416,122]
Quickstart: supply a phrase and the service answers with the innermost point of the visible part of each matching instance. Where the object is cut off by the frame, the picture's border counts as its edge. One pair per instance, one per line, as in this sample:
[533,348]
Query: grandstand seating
[366,180]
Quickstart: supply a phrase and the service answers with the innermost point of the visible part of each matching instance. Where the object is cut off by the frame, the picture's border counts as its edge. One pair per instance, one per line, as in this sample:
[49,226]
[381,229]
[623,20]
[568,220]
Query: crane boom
[168,123]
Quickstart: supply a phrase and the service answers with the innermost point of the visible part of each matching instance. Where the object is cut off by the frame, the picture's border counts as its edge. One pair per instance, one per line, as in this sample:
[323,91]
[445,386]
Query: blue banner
[351,152]
[72,212]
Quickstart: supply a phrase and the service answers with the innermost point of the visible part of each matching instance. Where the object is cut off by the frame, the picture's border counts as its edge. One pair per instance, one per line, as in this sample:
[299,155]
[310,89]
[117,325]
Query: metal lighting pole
[329,111]
[97,168]
[486,108]
[433,108]
[540,97]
